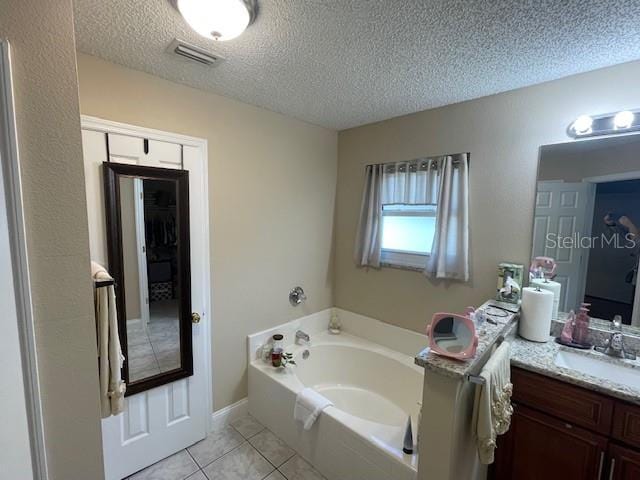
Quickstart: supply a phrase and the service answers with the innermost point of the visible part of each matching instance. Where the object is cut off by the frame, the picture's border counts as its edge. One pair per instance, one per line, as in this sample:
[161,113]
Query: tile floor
[155,349]
[244,450]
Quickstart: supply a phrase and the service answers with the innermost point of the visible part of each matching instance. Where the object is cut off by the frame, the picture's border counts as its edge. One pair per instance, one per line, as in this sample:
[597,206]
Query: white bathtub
[373,387]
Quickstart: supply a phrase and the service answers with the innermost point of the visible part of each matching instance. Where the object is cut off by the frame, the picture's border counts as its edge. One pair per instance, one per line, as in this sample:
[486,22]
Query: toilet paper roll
[553,287]
[536,311]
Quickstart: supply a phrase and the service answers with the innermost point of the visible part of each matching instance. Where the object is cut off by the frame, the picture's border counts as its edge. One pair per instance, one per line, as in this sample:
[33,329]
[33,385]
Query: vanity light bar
[606,124]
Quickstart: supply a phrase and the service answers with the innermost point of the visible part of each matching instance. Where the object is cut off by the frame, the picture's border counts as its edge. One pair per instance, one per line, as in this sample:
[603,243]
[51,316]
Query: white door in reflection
[562,211]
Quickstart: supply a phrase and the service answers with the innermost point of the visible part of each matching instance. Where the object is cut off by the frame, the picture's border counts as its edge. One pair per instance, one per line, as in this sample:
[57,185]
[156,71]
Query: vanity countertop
[540,358]
[487,337]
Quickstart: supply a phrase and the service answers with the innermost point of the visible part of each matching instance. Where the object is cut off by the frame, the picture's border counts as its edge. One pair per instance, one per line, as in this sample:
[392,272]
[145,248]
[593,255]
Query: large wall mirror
[148,245]
[587,215]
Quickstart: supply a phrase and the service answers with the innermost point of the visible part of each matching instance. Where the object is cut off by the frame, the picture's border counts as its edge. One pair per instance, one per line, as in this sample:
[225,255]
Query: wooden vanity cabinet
[624,463]
[626,424]
[561,431]
[539,446]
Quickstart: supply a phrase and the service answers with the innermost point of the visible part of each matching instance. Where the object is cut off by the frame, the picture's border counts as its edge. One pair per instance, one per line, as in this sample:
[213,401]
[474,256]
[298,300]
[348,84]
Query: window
[407,234]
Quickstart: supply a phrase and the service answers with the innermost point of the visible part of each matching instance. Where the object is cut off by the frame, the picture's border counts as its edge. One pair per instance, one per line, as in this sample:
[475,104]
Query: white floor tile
[243,463]
[176,467]
[271,447]
[298,469]
[215,445]
[247,426]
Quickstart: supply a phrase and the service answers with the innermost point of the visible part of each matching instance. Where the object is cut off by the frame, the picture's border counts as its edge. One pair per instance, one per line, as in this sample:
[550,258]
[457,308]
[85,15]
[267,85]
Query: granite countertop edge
[531,356]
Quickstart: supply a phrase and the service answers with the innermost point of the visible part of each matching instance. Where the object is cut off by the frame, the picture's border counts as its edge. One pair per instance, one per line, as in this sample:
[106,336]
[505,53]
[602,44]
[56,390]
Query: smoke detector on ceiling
[193,53]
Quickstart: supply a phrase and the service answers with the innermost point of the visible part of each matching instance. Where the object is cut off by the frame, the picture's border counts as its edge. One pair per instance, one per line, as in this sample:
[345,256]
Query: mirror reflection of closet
[148,254]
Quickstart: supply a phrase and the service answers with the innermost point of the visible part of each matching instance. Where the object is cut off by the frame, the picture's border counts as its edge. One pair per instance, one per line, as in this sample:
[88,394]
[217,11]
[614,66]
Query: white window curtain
[410,183]
[369,234]
[441,181]
[450,252]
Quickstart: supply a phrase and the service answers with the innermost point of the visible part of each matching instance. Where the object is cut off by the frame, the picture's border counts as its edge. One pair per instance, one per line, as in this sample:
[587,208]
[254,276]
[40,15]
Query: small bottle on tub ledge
[335,327]
[277,350]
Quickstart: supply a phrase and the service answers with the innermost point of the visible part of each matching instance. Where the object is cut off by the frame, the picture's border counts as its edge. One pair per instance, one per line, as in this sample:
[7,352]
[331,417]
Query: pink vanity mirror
[453,335]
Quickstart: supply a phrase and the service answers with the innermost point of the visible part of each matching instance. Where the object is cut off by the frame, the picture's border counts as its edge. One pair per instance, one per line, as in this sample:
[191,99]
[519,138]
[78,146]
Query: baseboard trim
[135,322]
[223,417]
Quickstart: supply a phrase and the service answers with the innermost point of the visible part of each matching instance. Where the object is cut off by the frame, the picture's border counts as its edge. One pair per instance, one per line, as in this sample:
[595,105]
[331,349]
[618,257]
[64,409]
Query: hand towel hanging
[493,402]
[110,358]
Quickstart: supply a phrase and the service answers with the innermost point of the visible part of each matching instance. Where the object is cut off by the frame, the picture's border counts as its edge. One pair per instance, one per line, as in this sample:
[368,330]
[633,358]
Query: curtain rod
[423,159]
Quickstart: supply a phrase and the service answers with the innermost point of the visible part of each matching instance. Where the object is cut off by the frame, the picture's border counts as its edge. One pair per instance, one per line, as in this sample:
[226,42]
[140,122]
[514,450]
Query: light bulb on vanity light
[218,19]
[582,125]
[623,120]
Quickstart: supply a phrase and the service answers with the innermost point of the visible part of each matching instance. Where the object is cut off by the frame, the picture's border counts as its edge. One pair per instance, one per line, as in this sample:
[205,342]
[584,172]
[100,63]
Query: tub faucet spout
[302,337]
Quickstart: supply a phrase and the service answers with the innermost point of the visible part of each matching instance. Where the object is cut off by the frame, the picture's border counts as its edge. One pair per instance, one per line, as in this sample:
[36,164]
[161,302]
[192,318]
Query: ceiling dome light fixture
[623,120]
[582,125]
[218,19]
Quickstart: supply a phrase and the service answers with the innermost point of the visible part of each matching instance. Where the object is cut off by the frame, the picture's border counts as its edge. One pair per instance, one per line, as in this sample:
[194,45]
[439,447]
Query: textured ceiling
[346,63]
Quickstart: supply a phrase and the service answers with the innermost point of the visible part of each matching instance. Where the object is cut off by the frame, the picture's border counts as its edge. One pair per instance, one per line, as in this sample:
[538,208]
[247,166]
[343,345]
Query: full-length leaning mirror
[587,215]
[147,211]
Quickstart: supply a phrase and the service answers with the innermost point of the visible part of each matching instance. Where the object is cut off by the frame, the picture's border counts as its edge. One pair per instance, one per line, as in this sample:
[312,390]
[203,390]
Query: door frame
[21,279]
[108,126]
[141,249]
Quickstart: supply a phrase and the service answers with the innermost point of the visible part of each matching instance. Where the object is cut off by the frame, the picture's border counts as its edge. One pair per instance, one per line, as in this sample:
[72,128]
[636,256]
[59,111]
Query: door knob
[195,317]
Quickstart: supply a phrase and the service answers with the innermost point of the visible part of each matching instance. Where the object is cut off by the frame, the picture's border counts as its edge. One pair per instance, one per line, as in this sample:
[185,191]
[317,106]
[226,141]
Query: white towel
[112,387]
[493,402]
[309,404]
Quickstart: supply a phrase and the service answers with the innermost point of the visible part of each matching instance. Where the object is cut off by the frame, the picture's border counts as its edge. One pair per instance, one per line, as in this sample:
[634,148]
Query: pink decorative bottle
[567,330]
[581,328]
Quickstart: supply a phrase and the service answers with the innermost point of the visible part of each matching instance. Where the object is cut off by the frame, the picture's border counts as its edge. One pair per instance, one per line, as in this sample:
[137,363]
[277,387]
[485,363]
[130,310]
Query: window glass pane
[408,234]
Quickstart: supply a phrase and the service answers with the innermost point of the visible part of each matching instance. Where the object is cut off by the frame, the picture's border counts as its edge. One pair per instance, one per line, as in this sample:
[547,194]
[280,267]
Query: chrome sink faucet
[302,337]
[614,345]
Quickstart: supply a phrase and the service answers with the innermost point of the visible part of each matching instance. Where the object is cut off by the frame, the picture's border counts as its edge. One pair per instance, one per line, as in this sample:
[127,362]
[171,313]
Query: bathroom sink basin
[597,365]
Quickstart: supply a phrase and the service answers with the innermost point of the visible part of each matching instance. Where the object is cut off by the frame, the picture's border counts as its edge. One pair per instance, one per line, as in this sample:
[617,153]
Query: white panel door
[149,153]
[562,212]
[166,419]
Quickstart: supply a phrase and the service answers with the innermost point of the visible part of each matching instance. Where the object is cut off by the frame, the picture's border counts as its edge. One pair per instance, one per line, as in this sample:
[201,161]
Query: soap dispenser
[581,329]
[567,331]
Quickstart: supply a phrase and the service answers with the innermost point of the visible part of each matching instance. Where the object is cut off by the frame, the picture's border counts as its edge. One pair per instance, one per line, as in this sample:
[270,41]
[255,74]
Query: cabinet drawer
[566,402]
[626,424]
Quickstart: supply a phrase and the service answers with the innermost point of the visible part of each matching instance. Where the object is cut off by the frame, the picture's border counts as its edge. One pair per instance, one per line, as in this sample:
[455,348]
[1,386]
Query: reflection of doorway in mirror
[613,264]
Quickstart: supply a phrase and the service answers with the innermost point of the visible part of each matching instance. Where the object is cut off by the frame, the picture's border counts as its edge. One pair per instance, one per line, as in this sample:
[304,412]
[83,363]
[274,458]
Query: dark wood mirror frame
[112,173]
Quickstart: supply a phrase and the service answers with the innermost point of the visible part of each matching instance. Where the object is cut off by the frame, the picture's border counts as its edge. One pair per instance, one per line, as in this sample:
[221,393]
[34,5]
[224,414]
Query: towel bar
[103,283]
[477,379]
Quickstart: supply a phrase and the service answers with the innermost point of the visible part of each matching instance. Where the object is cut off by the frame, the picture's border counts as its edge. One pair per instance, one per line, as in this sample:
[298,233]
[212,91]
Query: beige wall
[606,157]
[271,197]
[502,133]
[48,123]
